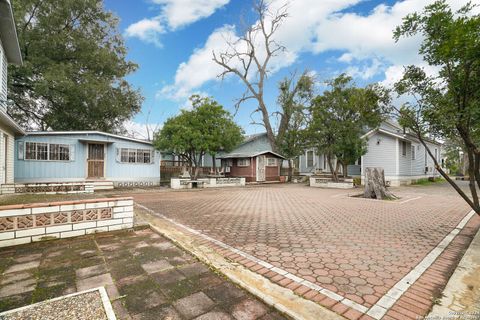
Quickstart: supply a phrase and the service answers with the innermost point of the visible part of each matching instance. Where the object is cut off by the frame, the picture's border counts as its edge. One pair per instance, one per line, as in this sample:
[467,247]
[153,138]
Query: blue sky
[172,41]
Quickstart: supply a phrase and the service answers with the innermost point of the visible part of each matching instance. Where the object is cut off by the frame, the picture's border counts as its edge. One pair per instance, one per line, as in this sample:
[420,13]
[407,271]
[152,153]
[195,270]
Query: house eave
[53,133]
[10,123]
[8,33]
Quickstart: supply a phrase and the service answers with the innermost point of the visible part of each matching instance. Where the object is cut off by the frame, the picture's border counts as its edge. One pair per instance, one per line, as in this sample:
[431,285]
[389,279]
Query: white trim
[107,306]
[391,297]
[397,156]
[53,133]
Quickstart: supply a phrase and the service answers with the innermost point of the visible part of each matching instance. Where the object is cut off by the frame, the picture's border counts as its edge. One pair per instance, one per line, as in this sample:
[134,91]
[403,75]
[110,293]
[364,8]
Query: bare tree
[248,58]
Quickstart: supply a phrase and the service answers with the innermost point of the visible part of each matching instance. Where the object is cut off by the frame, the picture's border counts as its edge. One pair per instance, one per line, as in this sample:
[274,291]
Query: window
[47,151]
[310,158]
[404,148]
[135,155]
[436,154]
[271,162]
[243,162]
[59,152]
[413,153]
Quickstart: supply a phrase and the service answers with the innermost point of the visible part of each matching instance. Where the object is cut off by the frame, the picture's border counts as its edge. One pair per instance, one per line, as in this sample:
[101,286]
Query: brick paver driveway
[349,254]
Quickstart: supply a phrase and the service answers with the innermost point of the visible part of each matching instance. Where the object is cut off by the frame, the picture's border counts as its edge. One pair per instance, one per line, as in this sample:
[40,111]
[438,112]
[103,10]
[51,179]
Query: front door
[261,168]
[95,160]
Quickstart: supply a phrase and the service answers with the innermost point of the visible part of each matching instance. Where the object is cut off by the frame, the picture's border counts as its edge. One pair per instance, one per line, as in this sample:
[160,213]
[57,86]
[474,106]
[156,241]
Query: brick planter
[26,223]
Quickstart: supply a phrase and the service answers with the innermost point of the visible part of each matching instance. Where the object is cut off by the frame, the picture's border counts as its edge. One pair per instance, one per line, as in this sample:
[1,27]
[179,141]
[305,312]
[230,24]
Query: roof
[403,136]
[248,155]
[8,33]
[252,146]
[10,123]
[86,133]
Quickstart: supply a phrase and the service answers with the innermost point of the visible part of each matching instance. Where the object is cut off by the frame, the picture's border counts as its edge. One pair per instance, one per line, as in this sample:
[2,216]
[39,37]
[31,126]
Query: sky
[172,42]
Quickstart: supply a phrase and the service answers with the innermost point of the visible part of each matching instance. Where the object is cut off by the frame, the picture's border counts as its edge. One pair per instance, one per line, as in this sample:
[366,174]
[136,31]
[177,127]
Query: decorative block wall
[48,188]
[26,223]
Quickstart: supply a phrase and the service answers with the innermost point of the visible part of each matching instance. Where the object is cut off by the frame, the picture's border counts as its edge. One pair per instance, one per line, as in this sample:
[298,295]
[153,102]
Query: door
[260,168]
[5,158]
[96,160]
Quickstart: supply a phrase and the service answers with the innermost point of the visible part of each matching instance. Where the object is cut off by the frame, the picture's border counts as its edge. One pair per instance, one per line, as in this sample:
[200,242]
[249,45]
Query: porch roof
[248,154]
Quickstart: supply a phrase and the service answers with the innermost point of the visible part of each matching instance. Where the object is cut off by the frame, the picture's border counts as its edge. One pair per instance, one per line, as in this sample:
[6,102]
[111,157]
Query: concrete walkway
[461,297]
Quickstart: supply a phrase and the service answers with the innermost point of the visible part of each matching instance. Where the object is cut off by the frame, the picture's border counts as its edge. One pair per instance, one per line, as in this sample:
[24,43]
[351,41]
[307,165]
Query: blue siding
[76,168]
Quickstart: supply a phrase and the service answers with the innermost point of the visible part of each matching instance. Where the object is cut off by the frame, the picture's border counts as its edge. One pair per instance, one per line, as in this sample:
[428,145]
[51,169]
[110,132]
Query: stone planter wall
[179,183]
[26,223]
[48,188]
[327,183]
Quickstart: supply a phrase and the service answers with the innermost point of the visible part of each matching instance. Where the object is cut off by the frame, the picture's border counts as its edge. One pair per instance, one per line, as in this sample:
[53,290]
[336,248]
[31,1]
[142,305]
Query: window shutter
[21,150]
[72,152]
[118,155]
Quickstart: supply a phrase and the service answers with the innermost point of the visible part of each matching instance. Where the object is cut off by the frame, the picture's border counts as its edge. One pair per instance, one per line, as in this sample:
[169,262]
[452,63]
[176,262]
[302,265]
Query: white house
[399,153]
[9,53]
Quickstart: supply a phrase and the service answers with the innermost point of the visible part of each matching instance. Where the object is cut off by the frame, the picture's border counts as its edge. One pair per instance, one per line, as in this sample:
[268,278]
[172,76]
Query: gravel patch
[85,306]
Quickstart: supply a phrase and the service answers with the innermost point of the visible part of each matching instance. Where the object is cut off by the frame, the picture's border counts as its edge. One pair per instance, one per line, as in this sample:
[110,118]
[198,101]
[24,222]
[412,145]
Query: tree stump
[375,187]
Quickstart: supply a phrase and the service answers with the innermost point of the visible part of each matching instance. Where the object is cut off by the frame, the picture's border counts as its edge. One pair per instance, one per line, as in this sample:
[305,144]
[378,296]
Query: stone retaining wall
[48,188]
[26,223]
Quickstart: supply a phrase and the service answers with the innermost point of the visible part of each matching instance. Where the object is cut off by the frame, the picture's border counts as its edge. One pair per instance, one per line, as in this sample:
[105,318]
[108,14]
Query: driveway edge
[461,296]
[272,294]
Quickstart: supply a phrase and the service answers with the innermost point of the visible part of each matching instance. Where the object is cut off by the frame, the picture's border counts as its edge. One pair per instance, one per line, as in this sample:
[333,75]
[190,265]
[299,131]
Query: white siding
[3,77]
[381,153]
[8,162]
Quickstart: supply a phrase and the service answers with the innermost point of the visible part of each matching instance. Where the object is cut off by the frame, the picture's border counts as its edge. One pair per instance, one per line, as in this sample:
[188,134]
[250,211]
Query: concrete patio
[145,275]
[363,259]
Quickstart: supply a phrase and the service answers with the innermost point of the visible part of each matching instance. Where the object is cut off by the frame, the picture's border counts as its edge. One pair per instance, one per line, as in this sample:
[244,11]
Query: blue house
[66,156]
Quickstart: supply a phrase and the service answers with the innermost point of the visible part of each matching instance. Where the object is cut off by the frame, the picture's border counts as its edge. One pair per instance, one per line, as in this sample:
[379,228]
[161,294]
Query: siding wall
[4,131]
[76,169]
[381,155]
[8,163]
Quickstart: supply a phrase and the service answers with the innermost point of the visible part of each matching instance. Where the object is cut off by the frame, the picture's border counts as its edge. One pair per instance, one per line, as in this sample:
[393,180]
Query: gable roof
[60,133]
[398,133]
[252,146]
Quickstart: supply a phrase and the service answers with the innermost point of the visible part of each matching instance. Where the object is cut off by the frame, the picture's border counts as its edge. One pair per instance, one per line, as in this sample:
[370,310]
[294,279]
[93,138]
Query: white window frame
[274,164]
[243,162]
[414,153]
[404,148]
[131,155]
[48,146]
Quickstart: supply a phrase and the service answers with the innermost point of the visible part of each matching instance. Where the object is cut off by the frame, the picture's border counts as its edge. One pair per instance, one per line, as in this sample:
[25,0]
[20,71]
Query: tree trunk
[332,171]
[345,169]
[214,160]
[290,169]
[375,187]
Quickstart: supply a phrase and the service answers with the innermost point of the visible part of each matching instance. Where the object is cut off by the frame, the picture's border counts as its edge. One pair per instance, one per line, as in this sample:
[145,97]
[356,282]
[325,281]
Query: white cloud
[141,130]
[173,15]
[320,26]
[147,30]
[179,13]
[199,68]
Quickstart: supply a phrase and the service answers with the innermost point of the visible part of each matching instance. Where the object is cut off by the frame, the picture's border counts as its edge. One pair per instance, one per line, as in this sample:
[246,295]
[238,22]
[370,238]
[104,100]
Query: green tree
[205,129]
[339,118]
[294,99]
[448,104]
[73,76]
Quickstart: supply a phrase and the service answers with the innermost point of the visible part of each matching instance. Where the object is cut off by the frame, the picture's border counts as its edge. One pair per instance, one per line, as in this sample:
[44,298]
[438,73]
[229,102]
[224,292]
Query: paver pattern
[145,275]
[355,247]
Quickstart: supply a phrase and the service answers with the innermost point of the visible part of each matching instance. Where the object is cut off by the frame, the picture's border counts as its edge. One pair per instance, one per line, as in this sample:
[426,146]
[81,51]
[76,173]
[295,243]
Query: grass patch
[427,181]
